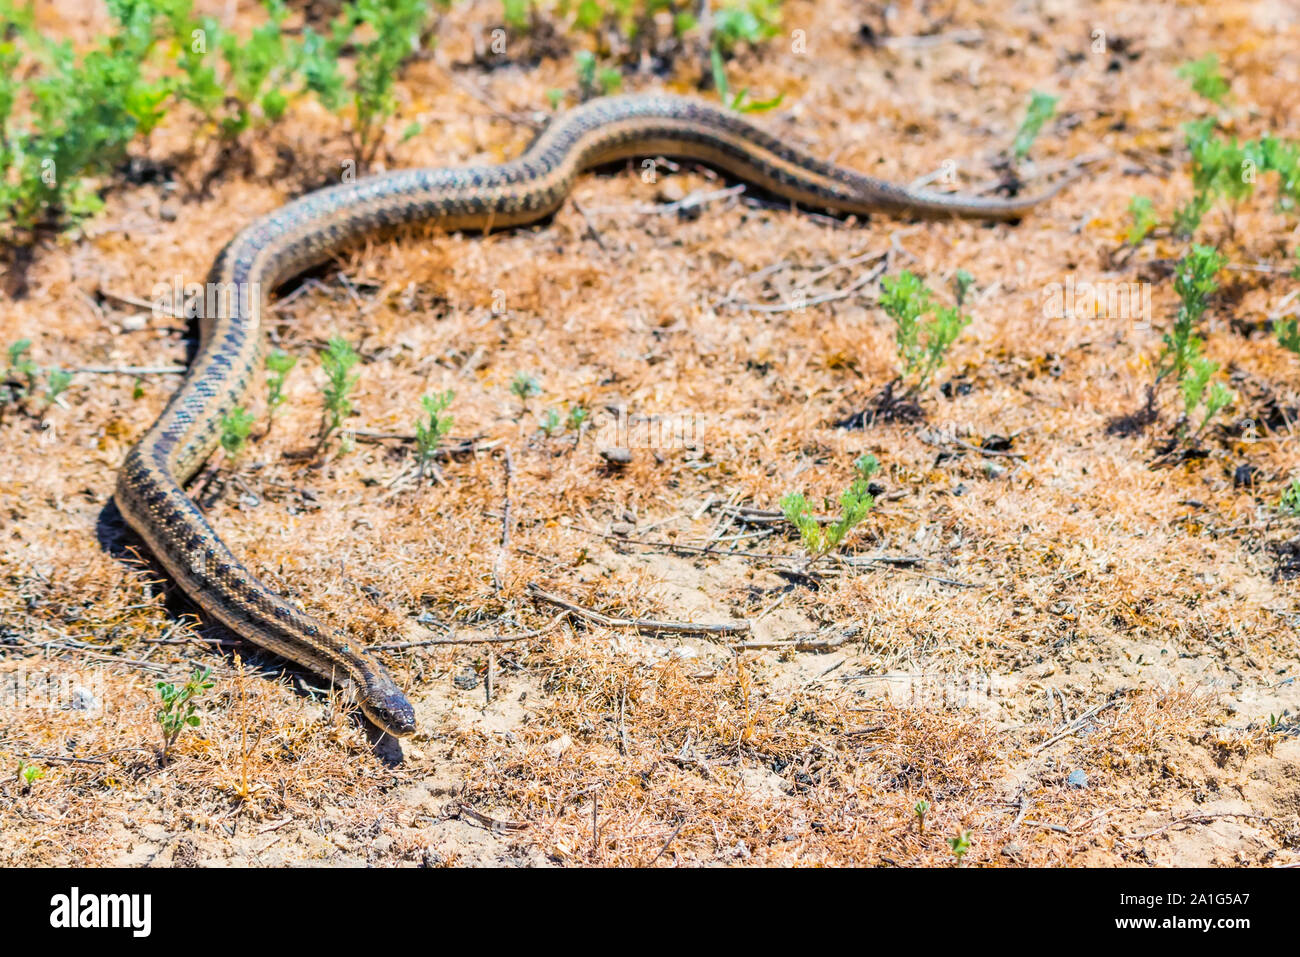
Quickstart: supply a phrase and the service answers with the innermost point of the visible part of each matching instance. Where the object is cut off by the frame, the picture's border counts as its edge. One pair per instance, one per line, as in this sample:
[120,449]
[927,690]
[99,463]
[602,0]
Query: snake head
[384,704]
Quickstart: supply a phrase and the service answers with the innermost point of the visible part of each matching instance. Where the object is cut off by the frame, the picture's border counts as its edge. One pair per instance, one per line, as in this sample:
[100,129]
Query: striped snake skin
[276,247]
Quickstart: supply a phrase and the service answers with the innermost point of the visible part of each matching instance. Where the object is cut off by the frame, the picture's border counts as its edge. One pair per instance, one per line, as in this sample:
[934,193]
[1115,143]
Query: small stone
[616,455]
[135,323]
[1077,779]
[467,679]
[167,213]
[1013,851]
[622,528]
[557,747]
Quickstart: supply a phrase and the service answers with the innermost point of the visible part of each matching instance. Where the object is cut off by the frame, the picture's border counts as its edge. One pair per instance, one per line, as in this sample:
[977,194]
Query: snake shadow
[119,542]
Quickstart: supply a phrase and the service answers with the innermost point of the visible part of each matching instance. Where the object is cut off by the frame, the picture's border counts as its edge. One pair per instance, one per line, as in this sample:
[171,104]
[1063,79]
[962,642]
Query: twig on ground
[641,624]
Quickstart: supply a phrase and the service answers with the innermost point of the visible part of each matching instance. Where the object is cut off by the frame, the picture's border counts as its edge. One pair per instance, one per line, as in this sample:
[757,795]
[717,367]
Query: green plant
[855,502]
[256,75]
[56,383]
[1289,502]
[576,417]
[278,366]
[1199,392]
[382,34]
[517,14]
[594,79]
[80,112]
[922,343]
[432,427]
[962,286]
[337,359]
[751,21]
[524,386]
[19,378]
[922,808]
[1144,220]
[1288,333]
[960,845]
[29,774]
[1194,281]
[1205,77]
[236,426]
[550,422]
[739,101]
[1042,107]
[178,710]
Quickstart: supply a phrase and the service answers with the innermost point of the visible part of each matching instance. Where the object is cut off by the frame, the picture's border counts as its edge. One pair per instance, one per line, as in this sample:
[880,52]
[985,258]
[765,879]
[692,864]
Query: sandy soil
[1065,643]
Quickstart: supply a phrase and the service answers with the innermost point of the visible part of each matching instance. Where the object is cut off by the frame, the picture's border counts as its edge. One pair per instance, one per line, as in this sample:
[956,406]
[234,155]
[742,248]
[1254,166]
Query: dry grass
[1086,573]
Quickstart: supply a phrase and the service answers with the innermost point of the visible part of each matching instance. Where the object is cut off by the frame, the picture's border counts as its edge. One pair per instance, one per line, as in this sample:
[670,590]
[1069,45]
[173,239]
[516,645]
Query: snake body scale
[278,246]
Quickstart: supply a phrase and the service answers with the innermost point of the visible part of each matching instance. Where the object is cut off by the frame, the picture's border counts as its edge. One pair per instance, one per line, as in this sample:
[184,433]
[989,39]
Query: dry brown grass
[1093,574]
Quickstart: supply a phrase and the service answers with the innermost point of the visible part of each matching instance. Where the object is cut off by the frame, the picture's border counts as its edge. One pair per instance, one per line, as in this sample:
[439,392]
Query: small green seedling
[1042,107]
[278,366]
[432,427]
[576,417]
[738,101]
[960,845]
[1205,77]
[178,710]
[550,423]
[29,774]
[1288,333]
[922,808]
[1289,503]
[56,383]
[236,426]
[337,359]
[855,502]
[962,286]
[524,386]
[1144,220]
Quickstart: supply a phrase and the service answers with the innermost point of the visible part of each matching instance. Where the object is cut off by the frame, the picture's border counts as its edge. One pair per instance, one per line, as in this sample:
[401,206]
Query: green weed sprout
[738,101]
[922,808]
[922,343]
[855,502]
[1042,107]
[1194,281]
[278,366]
[1205,77]
[1288,333]
[432,427]
[550,423]
[337,360]
[960,845]
[1144,220]
[524,386]
[178,710]
[236,426]
[1289,502]
[576,417]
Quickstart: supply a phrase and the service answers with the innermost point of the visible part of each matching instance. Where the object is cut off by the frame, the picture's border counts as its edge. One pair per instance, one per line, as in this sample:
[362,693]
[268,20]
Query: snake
[309,230]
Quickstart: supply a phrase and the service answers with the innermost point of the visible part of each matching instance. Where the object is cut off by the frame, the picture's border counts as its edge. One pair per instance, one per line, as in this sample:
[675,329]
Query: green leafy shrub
[855,502]
[922,342]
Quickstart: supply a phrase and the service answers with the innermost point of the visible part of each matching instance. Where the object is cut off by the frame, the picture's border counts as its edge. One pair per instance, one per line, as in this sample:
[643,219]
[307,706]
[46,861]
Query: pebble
[1078,779]
[83,699]
[617,455]
[558,746]
[467,679]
